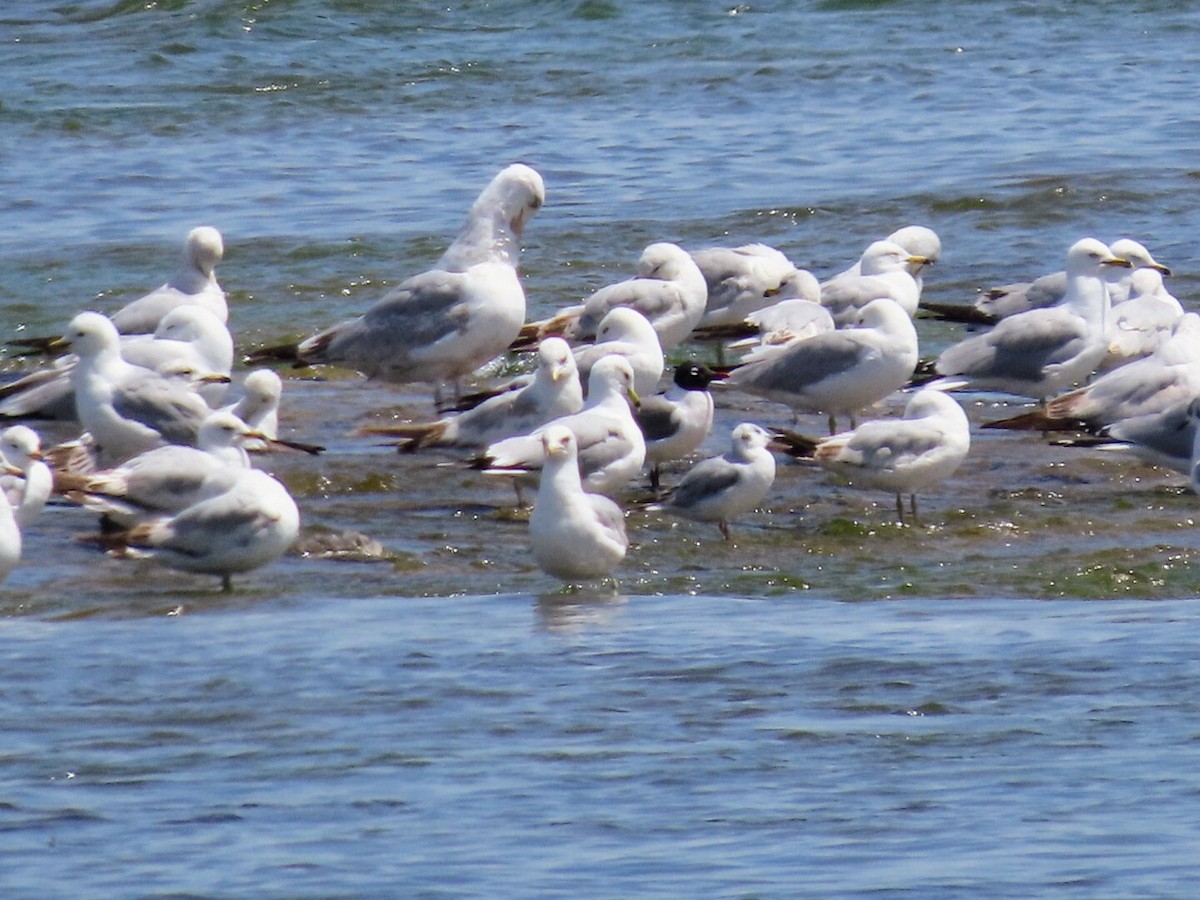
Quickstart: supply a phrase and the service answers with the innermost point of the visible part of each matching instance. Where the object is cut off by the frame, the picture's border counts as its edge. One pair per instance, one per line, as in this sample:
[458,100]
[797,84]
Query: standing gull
[676,423]
[902,455]
[1041,352]
[443,324]
[573,534]
[251,524]
[723,487]
[841,371]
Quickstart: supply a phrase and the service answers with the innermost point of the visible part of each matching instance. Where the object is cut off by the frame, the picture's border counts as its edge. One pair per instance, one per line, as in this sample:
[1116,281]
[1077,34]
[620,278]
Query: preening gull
[1143,322]
[258,406]
[1041,352]
[194,283]
[574,535]
[721,488]
[904,455]
[443,324]
[839,372]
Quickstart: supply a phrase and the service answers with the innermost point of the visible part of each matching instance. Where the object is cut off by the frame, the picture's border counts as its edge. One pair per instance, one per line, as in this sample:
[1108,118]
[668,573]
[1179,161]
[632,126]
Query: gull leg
[913,502]
[226,583]
[724,526]
[900,508]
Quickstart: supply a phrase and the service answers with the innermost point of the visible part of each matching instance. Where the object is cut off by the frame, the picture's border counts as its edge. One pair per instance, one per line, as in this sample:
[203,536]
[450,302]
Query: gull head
[518,192]
[664,261]
[748,437]
[1139,257]
[263,388]
[623,323]
[90,334]
[21,446]
[555,359]
[885,257]
[188,323]
[612,375]
[223,429]
[919,241]
[558,443]
[1090,256]
[798,284]
[693,376]
[204,248]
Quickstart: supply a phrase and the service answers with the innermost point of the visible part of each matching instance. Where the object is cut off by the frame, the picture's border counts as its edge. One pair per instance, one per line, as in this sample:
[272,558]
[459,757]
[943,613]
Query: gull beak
[919,261]
[558,373]
[1164,270]
[214,378]
[12,470]
[773,292]
[37,455]
[59,343]
[1118,262]
[634,398]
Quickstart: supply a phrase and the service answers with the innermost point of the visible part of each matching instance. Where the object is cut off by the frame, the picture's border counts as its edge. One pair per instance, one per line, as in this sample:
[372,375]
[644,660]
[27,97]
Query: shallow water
[828,704]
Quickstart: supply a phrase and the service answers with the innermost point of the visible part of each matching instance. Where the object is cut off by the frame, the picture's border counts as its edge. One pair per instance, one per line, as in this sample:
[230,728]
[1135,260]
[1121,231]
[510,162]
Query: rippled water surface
[996,701]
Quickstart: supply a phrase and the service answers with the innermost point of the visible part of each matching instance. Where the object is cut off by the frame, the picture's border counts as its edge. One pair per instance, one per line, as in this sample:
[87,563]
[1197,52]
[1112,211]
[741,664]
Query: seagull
[1048,290]
[722,487]
[187,335]
[258,406]
[841,371]
[676,423]
[553,392]
[1143,387]
[574,535]
[885,270]
[1040,352]
[443,324]
[743,279]
[167,479]
[29,482]
[919,241]
[626,332]
[125,408]
[669,290]
[786,322]
[1143,322]
[610,446]
[251,524]
[194,283]
[903,455]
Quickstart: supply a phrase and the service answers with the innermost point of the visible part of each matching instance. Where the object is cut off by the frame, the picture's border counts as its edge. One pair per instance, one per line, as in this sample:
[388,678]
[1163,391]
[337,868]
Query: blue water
[998,703]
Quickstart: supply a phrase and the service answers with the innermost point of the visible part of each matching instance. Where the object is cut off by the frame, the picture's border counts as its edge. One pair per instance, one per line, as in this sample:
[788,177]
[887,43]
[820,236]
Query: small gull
[1143,322]
[839,372]
[30,482]
[721,488]
[445,323]
[251,524]
[553,392]
[187,335]
[904,455]
[626,332]
[676,422]
[611,449]
[668,289]
[574,535]
[884,270]
[1143,387]
[125,408]
[258,406]
[1040,352]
